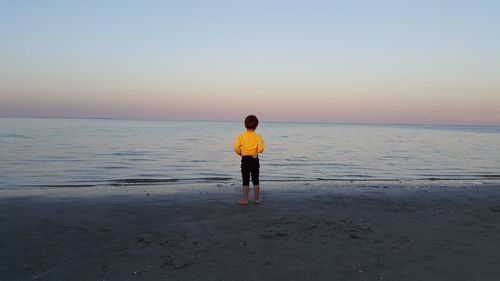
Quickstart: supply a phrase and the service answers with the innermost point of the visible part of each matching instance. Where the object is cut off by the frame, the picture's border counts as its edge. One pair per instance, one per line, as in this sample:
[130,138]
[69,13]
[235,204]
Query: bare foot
[257,202]
[243,202]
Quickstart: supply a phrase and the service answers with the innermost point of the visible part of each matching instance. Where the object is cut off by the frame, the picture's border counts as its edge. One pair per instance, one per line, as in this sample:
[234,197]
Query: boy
[248,145]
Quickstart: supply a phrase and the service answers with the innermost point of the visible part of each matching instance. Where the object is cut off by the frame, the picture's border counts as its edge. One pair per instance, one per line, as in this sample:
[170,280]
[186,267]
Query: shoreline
[301,231]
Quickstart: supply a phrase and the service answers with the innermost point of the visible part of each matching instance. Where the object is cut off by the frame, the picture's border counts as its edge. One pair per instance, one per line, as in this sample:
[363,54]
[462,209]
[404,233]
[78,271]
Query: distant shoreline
[264,121]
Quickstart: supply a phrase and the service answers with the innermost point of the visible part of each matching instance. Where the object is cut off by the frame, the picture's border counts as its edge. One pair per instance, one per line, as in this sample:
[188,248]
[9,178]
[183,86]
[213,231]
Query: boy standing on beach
[248,145]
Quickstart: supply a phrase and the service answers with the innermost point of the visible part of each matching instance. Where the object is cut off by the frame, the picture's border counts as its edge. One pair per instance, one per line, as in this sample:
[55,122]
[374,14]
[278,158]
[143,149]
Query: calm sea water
[87,152]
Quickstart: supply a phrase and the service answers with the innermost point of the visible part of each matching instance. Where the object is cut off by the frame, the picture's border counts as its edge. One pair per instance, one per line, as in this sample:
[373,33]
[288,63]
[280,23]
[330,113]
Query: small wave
[459,177]
[62,159]
[143,180]
[15,136]
[139,181]
[491,176]
[309,164]
[130,153]
[329,180]
[64,185]
[356,176]
[394,157]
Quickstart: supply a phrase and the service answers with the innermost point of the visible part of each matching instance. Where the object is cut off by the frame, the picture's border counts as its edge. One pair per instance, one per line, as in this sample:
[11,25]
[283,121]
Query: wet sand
[301,231]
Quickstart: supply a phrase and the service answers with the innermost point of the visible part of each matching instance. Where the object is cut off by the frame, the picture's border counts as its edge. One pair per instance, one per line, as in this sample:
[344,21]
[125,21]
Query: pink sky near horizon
[298,109]
[346,97]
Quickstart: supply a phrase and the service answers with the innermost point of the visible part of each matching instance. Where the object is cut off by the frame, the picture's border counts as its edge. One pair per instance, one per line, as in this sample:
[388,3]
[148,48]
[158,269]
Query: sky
[418,62]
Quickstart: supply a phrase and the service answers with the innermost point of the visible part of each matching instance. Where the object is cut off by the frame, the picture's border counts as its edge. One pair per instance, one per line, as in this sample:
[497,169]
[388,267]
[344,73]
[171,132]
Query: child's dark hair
[251,122]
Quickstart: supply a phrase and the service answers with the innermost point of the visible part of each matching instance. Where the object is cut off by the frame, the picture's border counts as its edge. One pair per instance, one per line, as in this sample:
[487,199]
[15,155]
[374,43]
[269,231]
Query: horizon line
[238,121]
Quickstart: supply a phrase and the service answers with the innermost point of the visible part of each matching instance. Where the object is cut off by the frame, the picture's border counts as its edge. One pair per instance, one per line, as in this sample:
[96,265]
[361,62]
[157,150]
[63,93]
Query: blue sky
[328,61]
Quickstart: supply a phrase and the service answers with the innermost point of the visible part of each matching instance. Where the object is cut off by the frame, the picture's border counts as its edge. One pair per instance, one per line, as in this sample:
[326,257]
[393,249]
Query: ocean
[37,153]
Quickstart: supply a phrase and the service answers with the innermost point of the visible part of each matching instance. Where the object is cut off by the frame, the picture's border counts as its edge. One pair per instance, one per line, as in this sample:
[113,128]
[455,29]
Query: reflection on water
[86,152]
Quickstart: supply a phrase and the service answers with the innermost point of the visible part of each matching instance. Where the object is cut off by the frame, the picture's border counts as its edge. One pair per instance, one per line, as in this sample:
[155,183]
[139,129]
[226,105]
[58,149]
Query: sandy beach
[301,231]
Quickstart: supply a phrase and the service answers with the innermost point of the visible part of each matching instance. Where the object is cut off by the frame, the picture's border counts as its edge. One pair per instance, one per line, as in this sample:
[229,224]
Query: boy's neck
[250,130]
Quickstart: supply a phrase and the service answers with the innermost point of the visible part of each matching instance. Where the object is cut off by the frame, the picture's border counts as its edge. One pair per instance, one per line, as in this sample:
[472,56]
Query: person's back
[248,145]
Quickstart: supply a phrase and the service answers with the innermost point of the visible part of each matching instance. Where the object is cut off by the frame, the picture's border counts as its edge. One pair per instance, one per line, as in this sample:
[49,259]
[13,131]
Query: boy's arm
[237,146]
[260,145]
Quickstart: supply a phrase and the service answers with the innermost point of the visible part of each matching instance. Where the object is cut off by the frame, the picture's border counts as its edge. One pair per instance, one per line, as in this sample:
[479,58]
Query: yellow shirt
[249,143]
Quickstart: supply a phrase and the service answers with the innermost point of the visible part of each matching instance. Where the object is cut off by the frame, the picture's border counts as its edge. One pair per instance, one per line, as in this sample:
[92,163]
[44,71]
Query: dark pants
[250,167]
